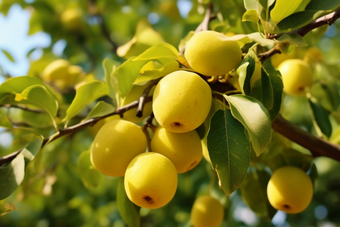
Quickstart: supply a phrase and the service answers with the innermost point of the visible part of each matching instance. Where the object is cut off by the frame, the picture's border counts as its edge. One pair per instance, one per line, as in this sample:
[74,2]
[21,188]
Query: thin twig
[204,26]
[328,19]
[318,147]
[22,107]
[144,96]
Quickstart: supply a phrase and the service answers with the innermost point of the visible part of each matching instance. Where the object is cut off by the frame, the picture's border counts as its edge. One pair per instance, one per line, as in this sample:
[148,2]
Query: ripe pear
[134,94]
[181,101]
[72,20]
[150,180]
[115,145]
[206,211]
[297,75]
[212,53]
[57,72]
[183,149]
[290,189]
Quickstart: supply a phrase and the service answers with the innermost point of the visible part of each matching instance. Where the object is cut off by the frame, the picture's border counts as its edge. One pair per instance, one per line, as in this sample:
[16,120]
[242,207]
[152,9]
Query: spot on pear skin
[192,165]
[176,124]
[148,199]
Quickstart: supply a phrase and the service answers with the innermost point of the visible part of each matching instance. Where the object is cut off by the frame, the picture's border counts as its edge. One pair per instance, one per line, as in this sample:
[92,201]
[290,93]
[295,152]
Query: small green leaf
[277,86]
[245,72]
[256,181]
[292,39]
[229,150]
[102,108]
[4,122]
[284,8]
[261,40]
[85,94]
[8,55]
[122,78]
[89,175]
[250,15]
[161,50]
[127,210]
[254,117]
[109,66]
[267,97]
[6,207]
[321,116]
[294,21]
[156,69]
[11,176]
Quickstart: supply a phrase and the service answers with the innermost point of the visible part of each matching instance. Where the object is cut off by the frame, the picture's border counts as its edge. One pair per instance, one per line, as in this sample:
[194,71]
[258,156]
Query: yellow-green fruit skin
[72,19]
[150,180]
[134,94]
[181,101]
[206,212]
[115,145]
[296,76]
[183,149]
[212,53]
[56,71]
[290,189]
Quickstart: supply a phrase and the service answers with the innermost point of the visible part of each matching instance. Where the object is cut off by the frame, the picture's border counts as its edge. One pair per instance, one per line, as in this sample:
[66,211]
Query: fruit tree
[173,113]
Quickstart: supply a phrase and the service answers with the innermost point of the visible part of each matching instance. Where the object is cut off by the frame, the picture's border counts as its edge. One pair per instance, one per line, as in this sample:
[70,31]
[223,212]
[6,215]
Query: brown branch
[144,96]
[328,19]
[22,107]
[74,128]
[318,147]
[204,26]
[103,27]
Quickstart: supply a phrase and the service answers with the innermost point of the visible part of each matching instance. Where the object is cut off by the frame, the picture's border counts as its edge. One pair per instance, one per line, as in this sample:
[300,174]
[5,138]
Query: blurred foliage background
[57,196]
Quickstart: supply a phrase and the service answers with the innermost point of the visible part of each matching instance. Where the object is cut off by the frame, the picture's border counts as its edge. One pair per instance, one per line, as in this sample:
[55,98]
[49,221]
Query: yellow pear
[72,19]
[115,145]
[181,101]
[290,189]
[212,53]
[207,212]
[150,180]
[57,72]
[297,75]
[183,149]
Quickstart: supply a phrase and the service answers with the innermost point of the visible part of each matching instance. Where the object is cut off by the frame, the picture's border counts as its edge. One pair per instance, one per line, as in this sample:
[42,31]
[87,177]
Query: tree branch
[103,27]
[328,19]
[318,147]
[204,26]
[74,128]
[144,96]
[22,108]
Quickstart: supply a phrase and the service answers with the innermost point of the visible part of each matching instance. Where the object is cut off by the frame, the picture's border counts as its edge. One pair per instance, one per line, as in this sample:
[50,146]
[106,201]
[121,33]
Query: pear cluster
[62,74]
[181,103]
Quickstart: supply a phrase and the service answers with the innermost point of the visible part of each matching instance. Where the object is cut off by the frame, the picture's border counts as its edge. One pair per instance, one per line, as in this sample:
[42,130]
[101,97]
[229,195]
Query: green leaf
[261,40]
[4,122]
[229,150]
[245,72]
[38,95]
[250,15]
[321,117]
[323,5]
[102,108]
[284,8]
[127,210]
[11,176]
[295,21]
[277,86]
[8,55]
[109,66]
[256,181]
[122,78]
[89,175]
[161,50]
[156,69]
[267,97]
[254,117]
[6,207]
[292,39]
[85,94]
